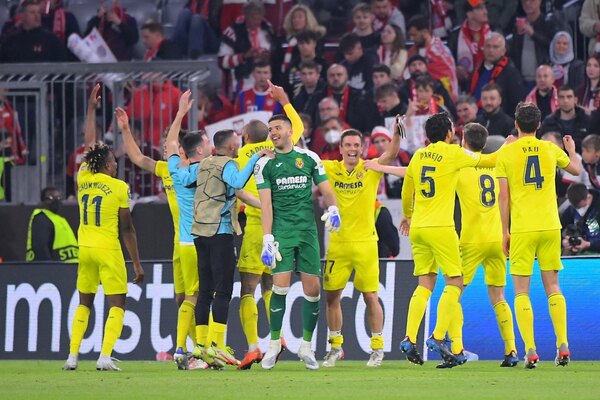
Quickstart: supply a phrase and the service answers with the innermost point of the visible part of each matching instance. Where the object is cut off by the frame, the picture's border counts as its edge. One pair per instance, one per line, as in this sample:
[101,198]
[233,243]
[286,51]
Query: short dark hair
[27,3]
[254,6]
[419,22]
[475,136]
[45,193]
[348,42]
[306,36]
[437,127]
[350,132]
[488,87]
[97,157]
[181,135]
[591,142]
[567,88]
[423,81]
[465,98]
[261,62]
[222,137]
[576,193]
[382,68]
[528,117]
[309,65]
[385,90]
[281,117]
[326,121]
[362,7]
[153,26]
[191,141]
[257,131]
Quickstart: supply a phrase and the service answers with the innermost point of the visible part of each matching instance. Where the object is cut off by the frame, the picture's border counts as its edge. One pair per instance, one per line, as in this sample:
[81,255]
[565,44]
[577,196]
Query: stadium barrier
[37,302]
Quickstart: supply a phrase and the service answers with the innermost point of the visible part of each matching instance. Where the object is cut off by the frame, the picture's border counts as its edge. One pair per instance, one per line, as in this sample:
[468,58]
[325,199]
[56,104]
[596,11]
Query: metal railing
[48,103]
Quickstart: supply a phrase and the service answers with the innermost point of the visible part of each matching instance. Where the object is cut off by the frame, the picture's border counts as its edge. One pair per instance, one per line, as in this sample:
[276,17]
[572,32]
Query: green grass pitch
[289,380]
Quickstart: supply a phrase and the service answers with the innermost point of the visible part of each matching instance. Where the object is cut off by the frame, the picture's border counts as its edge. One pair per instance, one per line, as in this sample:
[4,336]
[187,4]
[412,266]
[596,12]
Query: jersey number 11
[97,201]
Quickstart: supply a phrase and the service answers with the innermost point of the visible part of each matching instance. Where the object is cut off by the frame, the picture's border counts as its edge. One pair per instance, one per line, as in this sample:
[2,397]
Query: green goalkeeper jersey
[290,177]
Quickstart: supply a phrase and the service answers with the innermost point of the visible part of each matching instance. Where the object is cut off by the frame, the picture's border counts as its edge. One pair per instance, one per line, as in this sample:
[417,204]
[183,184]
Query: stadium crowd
[343,64]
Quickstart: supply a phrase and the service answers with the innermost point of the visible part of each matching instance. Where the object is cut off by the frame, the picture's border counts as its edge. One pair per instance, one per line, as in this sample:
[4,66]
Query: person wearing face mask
[581,221]
[333,133]
[50,237]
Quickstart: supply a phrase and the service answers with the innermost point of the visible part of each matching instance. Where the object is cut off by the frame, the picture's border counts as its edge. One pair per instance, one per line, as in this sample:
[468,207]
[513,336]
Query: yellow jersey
[477,190]
[248,150]
[429,188]
[162,171]
[529,165]
[100,197]
[356,193]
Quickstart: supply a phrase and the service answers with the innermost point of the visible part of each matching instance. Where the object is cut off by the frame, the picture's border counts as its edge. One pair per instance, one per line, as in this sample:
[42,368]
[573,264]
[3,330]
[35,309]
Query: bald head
[544,78]
[494,48]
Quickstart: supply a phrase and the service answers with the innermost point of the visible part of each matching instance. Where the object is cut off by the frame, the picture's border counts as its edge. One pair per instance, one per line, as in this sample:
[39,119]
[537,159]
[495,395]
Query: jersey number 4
[97,201]
[427,180]
[487,186]
[533,174]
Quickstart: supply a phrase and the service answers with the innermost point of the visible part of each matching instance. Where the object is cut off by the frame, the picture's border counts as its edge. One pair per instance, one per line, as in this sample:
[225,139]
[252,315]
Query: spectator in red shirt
[212,106]
[390,185]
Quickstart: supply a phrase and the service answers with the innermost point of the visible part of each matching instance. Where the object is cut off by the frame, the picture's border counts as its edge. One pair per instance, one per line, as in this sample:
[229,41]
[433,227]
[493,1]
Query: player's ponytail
[97,157]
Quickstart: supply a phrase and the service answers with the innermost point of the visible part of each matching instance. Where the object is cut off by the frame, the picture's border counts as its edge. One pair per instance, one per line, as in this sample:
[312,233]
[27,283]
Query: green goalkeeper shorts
[300,249]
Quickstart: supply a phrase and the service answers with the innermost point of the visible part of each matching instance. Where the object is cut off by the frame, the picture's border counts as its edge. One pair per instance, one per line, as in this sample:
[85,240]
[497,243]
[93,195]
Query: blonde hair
[311,21]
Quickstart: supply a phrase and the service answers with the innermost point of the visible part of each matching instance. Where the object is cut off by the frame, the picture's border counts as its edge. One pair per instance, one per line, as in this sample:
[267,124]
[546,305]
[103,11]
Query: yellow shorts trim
[490,256]
[525,246]
[249,261]
[106,266]
[177,274]
[345,257]
[434,247]
[189,269]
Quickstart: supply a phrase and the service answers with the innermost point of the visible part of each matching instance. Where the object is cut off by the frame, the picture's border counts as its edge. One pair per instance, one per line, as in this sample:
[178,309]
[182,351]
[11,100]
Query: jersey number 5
[487,185]
[97,201]
[533,174]
[428,180]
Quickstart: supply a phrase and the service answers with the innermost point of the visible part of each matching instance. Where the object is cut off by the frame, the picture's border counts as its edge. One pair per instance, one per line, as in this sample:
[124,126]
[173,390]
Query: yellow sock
[210,336]
[219,332]
[112,329]
[558,314]
[504,319]
[377,341]
[249,318]
[80,323]
[201,334]
[455,330]
[524,314]
[192,329]
[446,310]
[267,299]
[184,317]
[336,339]
[416,310]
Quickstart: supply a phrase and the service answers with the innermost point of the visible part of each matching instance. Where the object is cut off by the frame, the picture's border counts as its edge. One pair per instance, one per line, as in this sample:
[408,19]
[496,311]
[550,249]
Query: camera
[575,234]
[574,241]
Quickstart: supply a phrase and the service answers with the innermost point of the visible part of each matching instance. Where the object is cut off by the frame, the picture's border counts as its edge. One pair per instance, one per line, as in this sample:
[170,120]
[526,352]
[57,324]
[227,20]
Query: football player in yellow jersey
[104,211]
[252,270]
[481,243]
[354,246]
[526,172]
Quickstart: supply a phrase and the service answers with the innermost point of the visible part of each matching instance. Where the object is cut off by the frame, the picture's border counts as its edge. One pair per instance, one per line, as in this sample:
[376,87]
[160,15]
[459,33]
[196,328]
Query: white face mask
[581,211]
[333,136]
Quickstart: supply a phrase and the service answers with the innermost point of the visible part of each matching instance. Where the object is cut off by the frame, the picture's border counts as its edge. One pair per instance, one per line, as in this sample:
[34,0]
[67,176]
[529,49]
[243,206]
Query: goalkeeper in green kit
[290,241]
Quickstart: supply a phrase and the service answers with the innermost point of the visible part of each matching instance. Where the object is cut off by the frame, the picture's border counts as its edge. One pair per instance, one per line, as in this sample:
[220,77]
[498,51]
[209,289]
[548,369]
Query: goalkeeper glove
[270,252]
[332,219]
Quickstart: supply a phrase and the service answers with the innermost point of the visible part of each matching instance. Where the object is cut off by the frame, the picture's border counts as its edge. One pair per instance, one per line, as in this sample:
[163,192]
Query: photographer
[581,221]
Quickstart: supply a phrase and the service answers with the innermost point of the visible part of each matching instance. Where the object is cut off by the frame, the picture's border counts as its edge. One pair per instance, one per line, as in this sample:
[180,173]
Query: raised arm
[90,118]
[282,98]
[574,167]
[392,151]
[131,148]
[172,141]
[504,204]
[376,165]
[130,239]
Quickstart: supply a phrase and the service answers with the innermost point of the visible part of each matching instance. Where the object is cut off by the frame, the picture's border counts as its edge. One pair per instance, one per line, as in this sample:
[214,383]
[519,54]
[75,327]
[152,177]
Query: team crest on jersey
[360,175]
[299,162]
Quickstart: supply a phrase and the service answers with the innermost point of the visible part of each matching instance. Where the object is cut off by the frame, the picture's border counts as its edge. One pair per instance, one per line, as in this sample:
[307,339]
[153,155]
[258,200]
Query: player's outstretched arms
[574,167]
[248,198]
[185,105]
[90,118]
[386,169]
[131,148]
[129,237]
[392,151]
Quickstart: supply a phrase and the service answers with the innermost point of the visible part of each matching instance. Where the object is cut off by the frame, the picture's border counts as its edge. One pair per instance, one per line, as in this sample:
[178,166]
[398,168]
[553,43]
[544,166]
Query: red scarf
[151,53]
[470,51]
[193,4]
[343,103]
[431,109]
[498,68]
[532,98]
[59,24]
[287,58]
[440,64]
[440,21]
